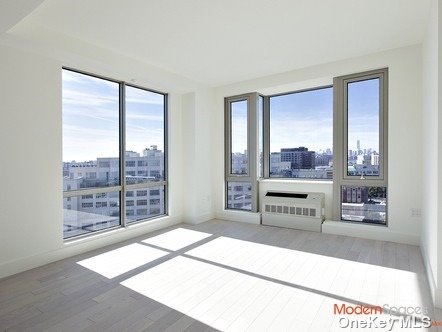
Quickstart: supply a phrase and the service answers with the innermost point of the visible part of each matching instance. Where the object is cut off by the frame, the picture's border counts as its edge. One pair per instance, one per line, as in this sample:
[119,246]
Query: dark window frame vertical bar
[122,101]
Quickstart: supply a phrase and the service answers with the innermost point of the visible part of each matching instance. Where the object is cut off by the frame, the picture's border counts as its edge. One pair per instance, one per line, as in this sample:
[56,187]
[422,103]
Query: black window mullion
[122,154]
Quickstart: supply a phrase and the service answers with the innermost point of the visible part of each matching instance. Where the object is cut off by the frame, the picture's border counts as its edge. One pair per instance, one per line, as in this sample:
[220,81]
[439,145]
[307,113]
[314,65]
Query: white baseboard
[239,216]
[371,232]
[83,245]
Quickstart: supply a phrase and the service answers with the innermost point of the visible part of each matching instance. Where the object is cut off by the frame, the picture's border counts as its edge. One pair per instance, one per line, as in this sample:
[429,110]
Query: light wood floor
[218,275]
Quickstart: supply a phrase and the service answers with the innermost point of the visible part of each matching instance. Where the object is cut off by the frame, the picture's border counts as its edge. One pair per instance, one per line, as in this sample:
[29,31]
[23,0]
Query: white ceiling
[217,42]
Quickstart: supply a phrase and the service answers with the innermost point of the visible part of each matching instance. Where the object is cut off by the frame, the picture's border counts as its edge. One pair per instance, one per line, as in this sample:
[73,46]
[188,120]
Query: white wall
[197,147]
[405,144]
[432,180]
[31,158]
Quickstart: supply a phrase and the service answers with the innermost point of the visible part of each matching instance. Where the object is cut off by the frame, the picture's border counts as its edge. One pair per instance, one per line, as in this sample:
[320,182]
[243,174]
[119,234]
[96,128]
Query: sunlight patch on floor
[225,299]
[177,239]
[116,262]
[362,282]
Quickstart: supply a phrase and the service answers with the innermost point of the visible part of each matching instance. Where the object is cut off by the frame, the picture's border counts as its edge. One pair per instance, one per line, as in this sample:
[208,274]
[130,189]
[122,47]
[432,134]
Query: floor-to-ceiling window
[114,153]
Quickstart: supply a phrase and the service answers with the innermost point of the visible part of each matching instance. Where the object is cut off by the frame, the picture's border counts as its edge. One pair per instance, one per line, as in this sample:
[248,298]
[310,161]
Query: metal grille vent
[284,209]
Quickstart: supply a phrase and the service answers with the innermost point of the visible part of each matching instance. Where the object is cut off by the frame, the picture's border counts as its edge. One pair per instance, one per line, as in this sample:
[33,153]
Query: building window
[143,115]
[130,163]
[104,164]
[141,193]
[100,204]
[155,192]
[141,202]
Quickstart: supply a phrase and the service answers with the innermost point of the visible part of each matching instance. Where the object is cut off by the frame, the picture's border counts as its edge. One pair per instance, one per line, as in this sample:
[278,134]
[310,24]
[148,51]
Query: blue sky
[363,114]
[302,119]
[91,118]
[306,119]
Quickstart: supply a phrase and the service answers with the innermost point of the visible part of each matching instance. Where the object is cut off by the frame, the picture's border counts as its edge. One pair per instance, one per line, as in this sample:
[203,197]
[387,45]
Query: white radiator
[297,210]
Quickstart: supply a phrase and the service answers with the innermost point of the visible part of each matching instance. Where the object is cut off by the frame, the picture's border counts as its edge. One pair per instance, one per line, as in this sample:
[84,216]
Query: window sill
[294,181]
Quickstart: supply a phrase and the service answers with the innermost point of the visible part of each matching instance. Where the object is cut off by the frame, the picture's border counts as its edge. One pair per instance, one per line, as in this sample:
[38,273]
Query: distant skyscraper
[358,144]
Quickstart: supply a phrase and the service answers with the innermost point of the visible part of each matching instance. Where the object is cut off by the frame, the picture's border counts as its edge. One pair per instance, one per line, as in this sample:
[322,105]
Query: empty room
[220,165]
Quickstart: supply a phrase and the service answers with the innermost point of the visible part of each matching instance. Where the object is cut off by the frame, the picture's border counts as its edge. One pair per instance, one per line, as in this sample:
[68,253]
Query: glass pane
[260,136]
[301,134]
[239,137]
[90,132]
[363,128]
[364,204]
[239,195]
[145,203]
[89,213]
[144,136]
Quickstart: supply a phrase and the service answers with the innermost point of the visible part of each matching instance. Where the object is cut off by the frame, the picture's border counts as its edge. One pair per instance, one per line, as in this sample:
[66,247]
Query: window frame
[340,128]
[252,148]
[122,188]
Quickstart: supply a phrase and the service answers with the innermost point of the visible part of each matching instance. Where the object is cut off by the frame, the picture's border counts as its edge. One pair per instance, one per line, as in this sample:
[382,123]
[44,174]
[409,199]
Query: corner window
[108,127]
[335,132]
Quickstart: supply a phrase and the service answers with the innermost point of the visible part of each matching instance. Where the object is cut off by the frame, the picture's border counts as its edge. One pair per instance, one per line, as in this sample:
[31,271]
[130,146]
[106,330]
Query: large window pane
[239,195]
[364,204]
[145,203]
[144,136]
[301,134]
[238,111]
[90,132]
[363,128]
[89,213]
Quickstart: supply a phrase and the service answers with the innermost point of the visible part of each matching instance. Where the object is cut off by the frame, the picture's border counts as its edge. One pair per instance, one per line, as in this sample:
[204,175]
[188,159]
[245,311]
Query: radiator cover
[298,210]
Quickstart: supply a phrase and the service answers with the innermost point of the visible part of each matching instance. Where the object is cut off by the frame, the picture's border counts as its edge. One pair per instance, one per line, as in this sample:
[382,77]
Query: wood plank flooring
[218,275]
